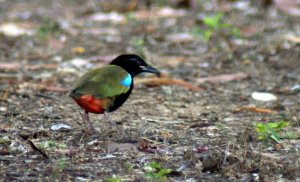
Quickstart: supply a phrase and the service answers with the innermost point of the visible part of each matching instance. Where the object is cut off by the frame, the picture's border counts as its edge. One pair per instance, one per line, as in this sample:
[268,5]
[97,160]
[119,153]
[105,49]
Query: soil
[202,129]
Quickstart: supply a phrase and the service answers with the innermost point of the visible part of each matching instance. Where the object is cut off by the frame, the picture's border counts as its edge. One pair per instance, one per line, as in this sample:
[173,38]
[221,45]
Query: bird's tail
[72,93]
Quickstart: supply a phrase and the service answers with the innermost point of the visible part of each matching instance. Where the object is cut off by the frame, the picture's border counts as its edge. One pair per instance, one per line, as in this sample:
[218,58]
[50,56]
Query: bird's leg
[108,118]
[86,118]
[113,124]
[113,127]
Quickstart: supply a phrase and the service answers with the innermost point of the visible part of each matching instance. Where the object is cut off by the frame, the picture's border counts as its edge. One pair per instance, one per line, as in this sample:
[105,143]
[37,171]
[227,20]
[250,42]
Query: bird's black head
[133,64]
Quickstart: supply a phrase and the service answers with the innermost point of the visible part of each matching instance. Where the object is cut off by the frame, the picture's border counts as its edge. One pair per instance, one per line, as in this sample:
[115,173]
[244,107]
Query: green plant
[4,140]
[112,179]
[129,167]
[48,27]
[130,16]
[51,144]
[268,132]
[58,168]
[214,24]
[138,46]
[155,172]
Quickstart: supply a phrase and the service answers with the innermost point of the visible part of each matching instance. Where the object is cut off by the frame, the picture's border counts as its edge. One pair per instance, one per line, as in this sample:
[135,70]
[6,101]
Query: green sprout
[268,132]
[59,166]
[155,172]
[51,144]
[138,45]
[112,179]
[48,27]
[4,140]
[214,24]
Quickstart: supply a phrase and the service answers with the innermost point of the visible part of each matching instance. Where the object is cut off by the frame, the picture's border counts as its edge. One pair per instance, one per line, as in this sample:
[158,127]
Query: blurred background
[228,96]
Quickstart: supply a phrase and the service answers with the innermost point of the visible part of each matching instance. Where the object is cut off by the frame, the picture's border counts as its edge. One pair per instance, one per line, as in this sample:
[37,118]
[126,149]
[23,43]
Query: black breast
[120,99]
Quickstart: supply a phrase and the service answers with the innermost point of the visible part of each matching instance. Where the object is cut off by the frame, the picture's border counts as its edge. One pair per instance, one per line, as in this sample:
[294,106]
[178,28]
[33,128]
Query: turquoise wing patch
[126,81]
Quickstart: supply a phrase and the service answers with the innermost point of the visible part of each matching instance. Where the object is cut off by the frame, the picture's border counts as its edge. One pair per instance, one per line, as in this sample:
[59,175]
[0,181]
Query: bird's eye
[136,61]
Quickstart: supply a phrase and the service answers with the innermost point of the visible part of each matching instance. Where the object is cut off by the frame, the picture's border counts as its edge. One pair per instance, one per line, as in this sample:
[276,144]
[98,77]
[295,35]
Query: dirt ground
[198,121]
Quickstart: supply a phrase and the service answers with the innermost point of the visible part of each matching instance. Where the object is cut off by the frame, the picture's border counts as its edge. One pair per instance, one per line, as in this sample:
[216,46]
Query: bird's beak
[150,69]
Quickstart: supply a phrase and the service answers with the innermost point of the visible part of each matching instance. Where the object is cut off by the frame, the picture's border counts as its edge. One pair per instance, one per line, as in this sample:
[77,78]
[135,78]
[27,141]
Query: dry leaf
[119,6]
[254,109]
[165,12]
[149,146]
[223,78]
[292,38]
[180,37]
[269,156]
[4,95]
[66,151]
[122,147]
[172,61]
[167,81]
[55,45]
[78,50]
[249,31]
[112,17]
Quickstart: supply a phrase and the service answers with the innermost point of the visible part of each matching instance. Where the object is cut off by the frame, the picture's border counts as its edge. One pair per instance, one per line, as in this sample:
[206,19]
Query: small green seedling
[48,27]
[51,144]
[268,132]
[4,140]
[112,179]
[155,172]
[214,24]
[138,45]
[58,167]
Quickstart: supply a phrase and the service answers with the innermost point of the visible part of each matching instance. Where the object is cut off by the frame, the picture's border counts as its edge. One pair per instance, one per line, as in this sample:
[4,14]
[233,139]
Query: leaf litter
[195,120]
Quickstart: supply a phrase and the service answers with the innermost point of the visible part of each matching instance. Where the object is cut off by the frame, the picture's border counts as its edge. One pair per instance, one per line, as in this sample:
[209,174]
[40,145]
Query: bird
[105,89]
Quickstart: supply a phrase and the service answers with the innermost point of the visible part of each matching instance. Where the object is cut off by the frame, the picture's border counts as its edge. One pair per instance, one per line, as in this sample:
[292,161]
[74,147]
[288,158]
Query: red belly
[93,105]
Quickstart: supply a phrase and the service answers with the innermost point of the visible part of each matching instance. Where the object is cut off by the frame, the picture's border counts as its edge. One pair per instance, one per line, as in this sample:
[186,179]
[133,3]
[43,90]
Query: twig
[36,149]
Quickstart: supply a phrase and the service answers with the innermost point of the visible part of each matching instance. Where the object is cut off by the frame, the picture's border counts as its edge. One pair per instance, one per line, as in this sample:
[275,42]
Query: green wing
[102,82]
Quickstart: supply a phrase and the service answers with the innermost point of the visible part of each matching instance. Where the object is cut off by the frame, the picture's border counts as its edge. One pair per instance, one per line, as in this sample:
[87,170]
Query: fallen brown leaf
[269,156]
[223,78]
[4,152]
[121,147]
[4,95]
[180,38]
[249,31]
[119,6]
[78,50]
[167,81]
[149,146]
[254,109]
[66,151]
[55,45]
[292,38]
[9,66]
[159,13]
[172,61]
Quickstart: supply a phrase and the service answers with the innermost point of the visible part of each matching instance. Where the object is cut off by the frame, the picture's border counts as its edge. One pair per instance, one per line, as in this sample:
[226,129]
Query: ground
[197,121]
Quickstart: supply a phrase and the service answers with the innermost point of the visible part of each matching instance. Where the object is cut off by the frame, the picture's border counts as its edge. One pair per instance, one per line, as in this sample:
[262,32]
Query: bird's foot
[91,129]
[114,127]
